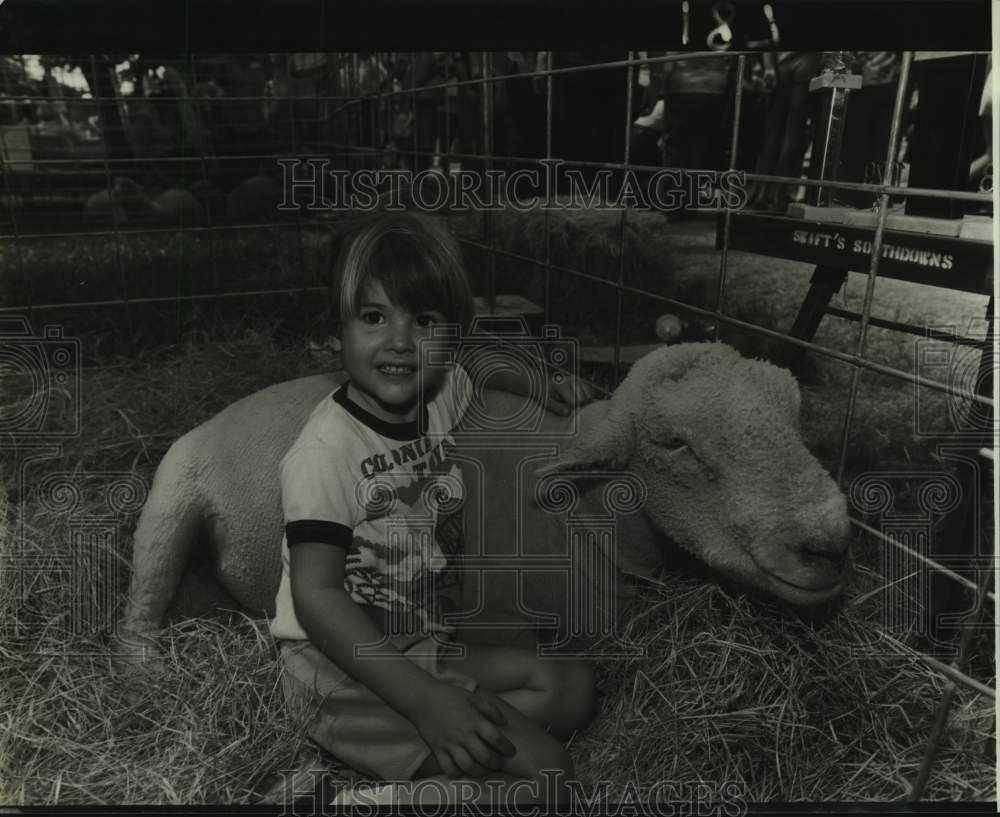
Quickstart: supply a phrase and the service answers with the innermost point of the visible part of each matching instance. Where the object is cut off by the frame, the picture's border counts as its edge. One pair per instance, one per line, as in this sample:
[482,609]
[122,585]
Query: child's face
[381,354]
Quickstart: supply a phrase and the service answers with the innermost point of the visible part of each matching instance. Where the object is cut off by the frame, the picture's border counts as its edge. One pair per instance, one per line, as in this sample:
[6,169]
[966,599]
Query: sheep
[129,202]
[179,208]
[254,199]
[704,442]
[125,201]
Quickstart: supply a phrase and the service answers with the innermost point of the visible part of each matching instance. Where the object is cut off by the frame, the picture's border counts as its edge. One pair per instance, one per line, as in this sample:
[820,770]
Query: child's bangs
[416,261]
[417,278]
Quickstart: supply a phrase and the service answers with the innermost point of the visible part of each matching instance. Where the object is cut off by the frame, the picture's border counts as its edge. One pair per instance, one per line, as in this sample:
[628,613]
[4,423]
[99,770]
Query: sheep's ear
[607,444]
[782,389]
[674,363]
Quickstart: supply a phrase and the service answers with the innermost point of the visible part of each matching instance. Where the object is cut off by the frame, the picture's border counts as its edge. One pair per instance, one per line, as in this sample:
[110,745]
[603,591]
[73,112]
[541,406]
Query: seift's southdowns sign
[936,260]
[863,247]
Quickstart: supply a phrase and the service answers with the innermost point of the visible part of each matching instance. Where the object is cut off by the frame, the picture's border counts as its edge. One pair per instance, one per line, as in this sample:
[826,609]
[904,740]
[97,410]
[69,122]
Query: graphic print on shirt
[397,559]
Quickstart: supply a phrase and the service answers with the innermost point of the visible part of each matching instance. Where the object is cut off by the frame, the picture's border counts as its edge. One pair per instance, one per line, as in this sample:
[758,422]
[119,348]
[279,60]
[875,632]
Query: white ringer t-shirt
[377,489]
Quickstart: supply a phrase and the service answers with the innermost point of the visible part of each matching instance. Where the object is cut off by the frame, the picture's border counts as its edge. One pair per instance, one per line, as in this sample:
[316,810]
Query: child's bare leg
[557,694]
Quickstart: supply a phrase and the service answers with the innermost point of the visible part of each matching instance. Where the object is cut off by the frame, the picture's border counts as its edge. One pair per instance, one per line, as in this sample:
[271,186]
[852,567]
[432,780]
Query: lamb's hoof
[131,649]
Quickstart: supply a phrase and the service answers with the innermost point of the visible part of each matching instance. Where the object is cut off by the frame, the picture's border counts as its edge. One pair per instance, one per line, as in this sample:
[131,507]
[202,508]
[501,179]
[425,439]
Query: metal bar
[944,669]
[844,357]
[96,91]
[883,212]
[170,298]
[622,227]
[487,91]
[384,114]
[557,71]
[208,210]
[916,192]
[287,225]
[18,246]
[927,560]
[355,87]
[292,122]
[550,194]
[413,114]
[908,328]
[728,214]
[835,114]
[449,72]
[893,190]
[934,741]
[166,99]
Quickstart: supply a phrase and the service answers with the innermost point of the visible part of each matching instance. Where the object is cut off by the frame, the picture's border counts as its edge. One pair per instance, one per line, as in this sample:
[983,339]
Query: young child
[359,608]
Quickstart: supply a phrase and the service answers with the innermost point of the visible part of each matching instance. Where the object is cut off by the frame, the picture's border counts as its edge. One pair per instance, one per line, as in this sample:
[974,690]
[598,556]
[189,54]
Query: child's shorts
[351,721]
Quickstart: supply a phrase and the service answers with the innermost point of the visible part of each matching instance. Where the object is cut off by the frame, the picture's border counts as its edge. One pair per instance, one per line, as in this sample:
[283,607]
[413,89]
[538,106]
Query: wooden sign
[944,261]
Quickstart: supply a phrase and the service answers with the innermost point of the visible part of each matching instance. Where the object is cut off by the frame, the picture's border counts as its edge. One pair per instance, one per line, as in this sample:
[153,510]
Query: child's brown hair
[416,260]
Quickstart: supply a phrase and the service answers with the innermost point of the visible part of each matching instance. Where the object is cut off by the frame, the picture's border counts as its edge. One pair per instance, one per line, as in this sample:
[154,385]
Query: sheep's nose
[834,551]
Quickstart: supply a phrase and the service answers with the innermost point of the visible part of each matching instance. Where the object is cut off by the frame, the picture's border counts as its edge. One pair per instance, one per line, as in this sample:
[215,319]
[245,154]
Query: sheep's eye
[674,443]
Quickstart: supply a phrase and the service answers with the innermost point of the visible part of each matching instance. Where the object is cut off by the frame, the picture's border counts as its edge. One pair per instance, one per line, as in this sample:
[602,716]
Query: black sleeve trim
[326,533]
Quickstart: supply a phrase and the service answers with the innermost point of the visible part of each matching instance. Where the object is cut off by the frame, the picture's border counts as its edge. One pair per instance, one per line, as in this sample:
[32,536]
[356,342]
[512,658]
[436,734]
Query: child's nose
[401,337]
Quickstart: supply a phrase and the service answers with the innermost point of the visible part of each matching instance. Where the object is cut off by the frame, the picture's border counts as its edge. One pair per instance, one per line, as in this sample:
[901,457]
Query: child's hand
[461,728]
[567,393]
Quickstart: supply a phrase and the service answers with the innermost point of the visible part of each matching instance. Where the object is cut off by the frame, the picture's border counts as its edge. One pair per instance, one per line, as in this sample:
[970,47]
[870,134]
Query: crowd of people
[681,114]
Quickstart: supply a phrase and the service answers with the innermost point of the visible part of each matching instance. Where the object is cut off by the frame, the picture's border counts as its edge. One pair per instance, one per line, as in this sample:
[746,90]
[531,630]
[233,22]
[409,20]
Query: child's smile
[381,355]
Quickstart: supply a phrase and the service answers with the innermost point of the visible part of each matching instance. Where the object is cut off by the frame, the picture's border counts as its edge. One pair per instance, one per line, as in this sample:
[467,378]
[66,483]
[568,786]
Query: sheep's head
[715,438]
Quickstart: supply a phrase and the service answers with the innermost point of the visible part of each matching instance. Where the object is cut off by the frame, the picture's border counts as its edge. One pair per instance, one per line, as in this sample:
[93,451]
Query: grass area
[729,688]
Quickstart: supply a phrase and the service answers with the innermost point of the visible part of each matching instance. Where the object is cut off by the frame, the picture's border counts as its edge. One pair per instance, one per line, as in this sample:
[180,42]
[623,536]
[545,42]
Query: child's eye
[372,317]
[425,319]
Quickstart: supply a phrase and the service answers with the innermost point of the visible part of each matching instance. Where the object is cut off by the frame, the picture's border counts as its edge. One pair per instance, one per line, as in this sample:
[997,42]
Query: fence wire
[330,105]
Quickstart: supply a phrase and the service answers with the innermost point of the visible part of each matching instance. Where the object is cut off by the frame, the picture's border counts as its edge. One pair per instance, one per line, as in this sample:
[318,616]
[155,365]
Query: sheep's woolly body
[712,438]
[216,497]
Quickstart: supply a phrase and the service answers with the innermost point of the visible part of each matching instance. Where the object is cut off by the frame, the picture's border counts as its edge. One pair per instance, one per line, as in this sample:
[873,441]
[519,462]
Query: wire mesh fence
[132,183]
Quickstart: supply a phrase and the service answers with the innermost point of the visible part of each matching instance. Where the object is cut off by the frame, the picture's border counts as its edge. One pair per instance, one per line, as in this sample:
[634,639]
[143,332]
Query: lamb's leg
[164,540]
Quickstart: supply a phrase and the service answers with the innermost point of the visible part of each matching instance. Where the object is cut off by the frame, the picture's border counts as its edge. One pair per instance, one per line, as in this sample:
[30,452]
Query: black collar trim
[404,432]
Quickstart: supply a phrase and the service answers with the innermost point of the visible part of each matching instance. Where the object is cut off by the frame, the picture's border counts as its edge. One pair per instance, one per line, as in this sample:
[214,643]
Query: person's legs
[353,724]
[789,160]
[684,137]
[774,124]
[866,136]
[752,117]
